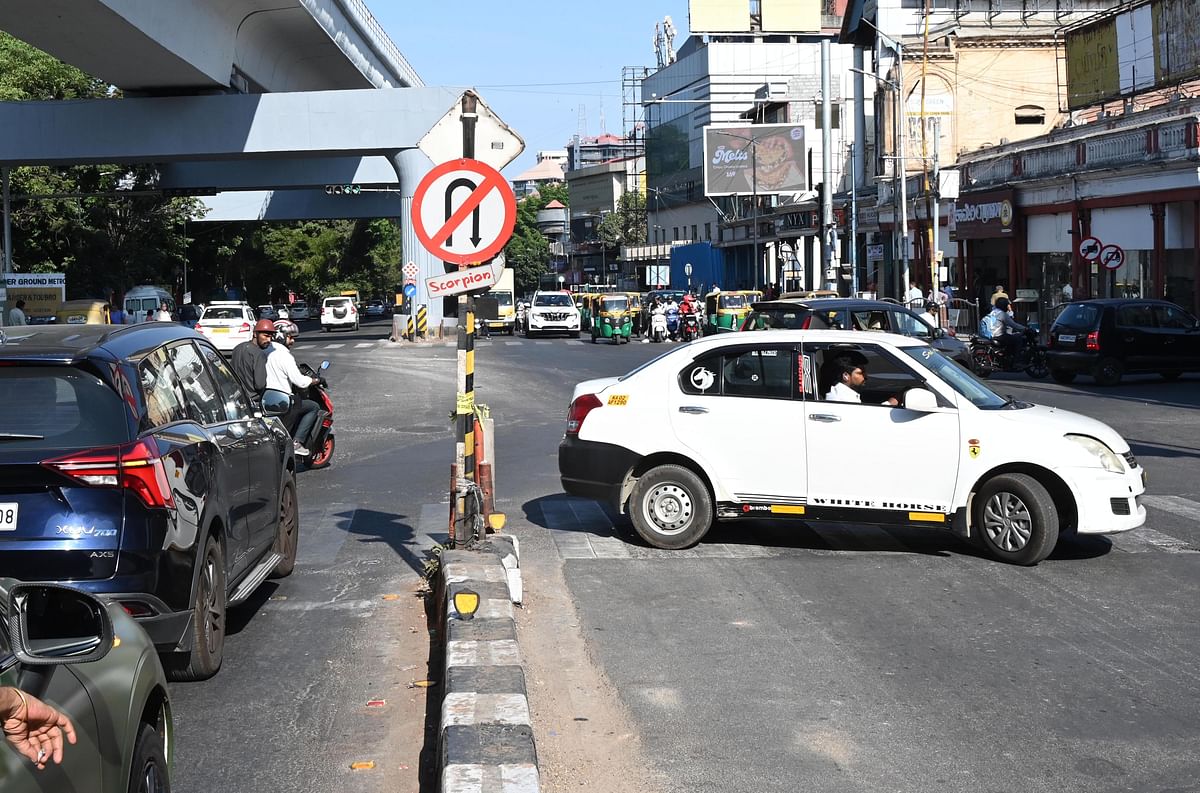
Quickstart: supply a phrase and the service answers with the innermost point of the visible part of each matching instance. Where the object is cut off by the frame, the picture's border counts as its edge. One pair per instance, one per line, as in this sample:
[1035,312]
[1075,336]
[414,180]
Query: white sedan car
[748,425]
[226,323]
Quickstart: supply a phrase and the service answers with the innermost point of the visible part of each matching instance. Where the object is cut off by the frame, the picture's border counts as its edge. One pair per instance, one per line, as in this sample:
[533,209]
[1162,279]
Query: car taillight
[353,310]
[245,328]
[806,323]
[580,408]
[135,466]
[1093,341]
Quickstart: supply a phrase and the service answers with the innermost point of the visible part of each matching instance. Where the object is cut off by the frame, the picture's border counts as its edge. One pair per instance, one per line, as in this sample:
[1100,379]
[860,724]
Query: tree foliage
[627,224]
[528,252]
[107,228]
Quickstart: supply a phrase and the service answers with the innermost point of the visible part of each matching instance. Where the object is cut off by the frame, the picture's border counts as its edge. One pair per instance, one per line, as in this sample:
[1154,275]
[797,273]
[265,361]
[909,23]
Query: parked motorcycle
[691,327]
[320,444]
[988,356]
[658,326]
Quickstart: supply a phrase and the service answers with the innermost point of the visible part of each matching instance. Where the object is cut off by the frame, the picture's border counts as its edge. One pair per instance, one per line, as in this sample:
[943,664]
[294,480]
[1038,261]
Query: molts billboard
[756,159]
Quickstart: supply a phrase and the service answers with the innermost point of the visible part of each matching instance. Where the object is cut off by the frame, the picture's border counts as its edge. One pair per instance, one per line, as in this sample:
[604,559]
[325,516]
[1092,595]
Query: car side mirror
[324,365]
[921,400]
[939,333]
[275,402]
[51,625]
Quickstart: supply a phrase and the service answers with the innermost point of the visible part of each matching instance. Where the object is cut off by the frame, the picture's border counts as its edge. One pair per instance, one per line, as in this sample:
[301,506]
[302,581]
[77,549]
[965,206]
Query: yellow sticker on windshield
[618,400]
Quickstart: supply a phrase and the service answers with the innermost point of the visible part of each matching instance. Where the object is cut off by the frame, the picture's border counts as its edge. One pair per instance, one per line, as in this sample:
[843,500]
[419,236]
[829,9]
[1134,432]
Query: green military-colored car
[92,662]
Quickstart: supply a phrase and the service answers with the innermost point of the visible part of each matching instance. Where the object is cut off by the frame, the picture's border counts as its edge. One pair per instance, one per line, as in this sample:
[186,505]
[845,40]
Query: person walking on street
[914,294]
[17,315]
[249,359]
[164,313]
[284,375]
[33,728]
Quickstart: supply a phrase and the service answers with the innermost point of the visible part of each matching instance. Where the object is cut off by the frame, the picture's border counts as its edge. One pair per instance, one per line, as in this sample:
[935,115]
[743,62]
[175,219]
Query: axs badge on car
[135,466]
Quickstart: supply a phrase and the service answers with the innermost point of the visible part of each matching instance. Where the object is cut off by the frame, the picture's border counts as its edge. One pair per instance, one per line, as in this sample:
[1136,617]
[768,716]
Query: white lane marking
[364,344]
[543,342]
[334,346]
[512,343]
[1143,540]
[1176,505]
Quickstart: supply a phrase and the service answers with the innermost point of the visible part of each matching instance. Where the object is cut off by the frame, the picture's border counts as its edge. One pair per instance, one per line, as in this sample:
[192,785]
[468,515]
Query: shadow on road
[1148,449]
[1147,390]
[385,527]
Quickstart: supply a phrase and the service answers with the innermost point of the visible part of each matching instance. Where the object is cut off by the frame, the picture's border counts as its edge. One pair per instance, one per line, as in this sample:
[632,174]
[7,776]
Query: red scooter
[320,444]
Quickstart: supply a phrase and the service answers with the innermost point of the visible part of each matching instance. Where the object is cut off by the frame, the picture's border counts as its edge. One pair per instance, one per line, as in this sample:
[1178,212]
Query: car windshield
[733,301]
[1079,316]
[958,378]
[58,407]
[503,298]
[222,312]
[552,300]
[614,304]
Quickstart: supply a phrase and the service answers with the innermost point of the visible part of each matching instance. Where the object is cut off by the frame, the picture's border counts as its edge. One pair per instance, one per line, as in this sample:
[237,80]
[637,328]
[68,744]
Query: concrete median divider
[486,740]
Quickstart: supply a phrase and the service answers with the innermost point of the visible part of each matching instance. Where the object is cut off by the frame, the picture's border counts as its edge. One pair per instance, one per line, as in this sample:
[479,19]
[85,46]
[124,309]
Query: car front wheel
[287,537]
[671,507]
[1016,519]
[149,771]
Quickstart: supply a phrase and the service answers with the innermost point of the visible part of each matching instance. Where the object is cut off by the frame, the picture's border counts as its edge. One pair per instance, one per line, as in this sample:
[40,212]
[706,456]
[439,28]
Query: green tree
[627,224]
[528,252]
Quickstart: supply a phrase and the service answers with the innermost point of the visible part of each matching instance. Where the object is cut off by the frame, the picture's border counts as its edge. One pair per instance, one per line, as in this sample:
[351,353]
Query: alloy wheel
[1007,521]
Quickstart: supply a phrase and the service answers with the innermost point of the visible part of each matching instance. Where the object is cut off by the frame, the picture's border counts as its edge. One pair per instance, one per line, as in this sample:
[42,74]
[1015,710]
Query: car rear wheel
[1062,376]
[1109,371]
[149,771]
[671,507]
[1016,519]
[202,660]
[287,538]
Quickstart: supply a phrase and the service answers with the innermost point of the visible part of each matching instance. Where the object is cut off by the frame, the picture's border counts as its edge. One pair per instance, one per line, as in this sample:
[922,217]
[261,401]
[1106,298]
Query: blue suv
[134,465]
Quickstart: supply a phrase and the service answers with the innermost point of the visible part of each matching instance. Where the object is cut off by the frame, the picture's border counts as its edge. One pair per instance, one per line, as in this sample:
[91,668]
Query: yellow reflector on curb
[782,509]
[466,603]
[496,520]
[928,517]
[362,765]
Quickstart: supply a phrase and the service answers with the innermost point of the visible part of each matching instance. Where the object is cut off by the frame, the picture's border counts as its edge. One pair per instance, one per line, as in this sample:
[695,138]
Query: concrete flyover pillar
[411,167]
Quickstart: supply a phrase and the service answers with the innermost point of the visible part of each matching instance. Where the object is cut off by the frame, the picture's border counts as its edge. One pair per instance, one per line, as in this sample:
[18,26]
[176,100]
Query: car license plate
[8,516]
[220,330]
[1066,338]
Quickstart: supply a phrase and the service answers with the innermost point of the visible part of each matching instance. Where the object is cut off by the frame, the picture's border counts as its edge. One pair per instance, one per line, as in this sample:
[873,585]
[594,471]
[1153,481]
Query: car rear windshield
[58,407]
[336,301]
[1079,316]
[222,312]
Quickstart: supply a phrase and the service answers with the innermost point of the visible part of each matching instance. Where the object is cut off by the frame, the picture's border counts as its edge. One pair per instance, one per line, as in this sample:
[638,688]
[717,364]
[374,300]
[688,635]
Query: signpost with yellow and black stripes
[463,212]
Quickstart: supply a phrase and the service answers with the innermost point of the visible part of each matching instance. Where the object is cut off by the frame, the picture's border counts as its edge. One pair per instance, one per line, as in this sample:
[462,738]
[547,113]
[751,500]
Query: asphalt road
[770,657]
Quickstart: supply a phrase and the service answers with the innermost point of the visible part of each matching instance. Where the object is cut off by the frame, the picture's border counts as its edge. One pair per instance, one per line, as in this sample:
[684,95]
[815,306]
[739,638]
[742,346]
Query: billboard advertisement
[755,159]
[736,16]
[1149,45]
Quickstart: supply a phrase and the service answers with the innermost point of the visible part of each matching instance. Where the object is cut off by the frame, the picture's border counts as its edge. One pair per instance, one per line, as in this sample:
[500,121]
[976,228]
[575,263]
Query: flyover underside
[173,47]
[234,145]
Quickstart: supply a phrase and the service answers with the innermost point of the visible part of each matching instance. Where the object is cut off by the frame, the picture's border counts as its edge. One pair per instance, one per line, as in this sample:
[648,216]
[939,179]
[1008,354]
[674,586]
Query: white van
[141,299]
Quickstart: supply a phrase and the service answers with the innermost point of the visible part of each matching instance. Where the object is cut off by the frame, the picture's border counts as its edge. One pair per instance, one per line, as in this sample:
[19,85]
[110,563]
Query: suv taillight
[1093,341]
[135,466]
[580,408]
[806,323]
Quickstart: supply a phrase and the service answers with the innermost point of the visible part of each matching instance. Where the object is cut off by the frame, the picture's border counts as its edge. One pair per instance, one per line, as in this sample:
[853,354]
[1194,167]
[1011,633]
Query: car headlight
[1108,459]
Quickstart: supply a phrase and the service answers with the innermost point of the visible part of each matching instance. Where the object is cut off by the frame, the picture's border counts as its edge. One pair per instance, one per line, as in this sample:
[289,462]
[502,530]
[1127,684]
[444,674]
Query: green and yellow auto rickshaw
[612,318]
[585,302]
[724,311]
[635,310]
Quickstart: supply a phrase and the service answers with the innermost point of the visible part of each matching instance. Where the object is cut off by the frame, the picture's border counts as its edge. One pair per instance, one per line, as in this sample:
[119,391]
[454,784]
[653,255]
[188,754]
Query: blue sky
[533,62]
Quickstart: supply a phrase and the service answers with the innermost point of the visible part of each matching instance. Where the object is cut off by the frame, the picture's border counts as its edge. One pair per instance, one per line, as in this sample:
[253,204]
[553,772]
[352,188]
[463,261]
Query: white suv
[226,323]
[882,430]
[339,312]
[552,312]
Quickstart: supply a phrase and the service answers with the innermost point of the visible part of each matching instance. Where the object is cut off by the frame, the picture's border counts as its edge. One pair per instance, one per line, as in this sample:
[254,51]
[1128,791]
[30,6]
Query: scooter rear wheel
[321,458]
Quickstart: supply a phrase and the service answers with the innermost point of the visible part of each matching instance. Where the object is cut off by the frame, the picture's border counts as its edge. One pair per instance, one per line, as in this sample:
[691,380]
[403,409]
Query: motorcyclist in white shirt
[284,375]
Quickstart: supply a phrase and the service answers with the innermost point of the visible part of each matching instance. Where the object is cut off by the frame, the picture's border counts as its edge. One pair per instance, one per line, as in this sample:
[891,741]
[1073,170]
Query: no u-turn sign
[464,212]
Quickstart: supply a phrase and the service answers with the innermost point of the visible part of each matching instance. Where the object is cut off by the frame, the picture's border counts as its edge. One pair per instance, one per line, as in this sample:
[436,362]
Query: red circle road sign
[1112,257]
[1089,248]
[464,212]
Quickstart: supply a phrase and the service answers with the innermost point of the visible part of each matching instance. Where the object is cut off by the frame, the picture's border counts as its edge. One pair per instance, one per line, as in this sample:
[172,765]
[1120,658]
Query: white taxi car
[552,312]
[226,323]
[667,443]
